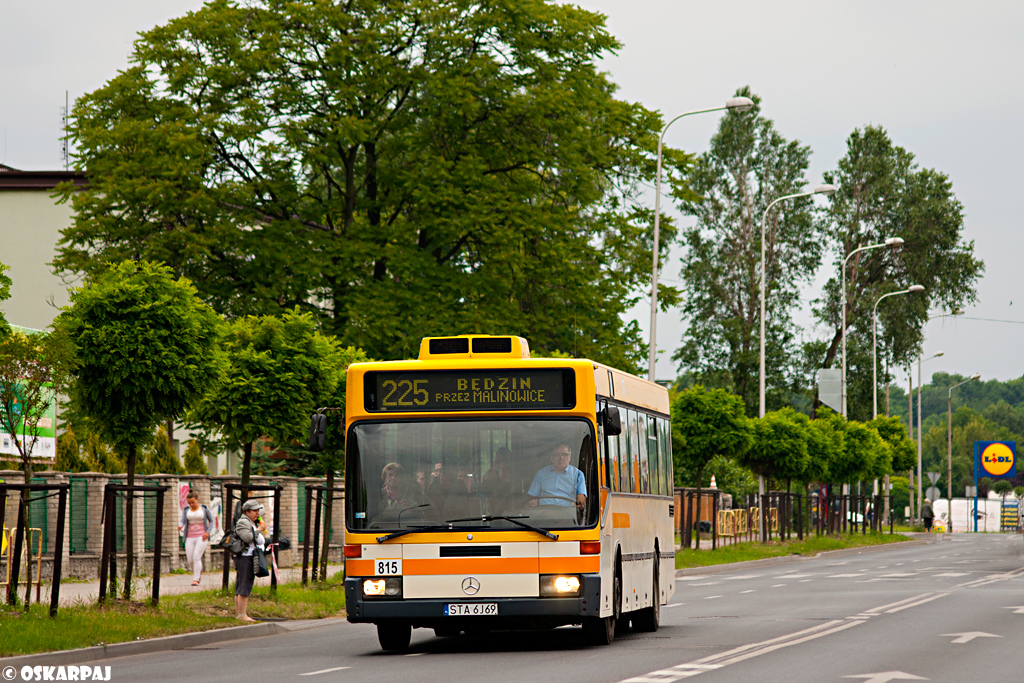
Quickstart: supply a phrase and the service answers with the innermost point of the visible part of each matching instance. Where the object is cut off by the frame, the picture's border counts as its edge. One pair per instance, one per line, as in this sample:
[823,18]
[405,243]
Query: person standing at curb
[927,515]
[196,520]
[251,535]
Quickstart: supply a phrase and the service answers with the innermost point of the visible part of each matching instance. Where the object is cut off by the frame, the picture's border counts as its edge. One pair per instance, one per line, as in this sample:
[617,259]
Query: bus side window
[624,453]
[645,473]
[634,453]
[666,452]
[652,455]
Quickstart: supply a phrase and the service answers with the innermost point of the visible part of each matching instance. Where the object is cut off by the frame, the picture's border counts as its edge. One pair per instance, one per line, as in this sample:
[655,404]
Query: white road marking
[915,604]
[969,636]
[707,583]
[845,576]
[415,654]
[744,576]
[712,597]
[805,580]
[1019,609]
[899,575]
[325,671]
[795,576]
[749,591]
[886,676]
[877,610]
[952,574]
[676,604]
[778,585]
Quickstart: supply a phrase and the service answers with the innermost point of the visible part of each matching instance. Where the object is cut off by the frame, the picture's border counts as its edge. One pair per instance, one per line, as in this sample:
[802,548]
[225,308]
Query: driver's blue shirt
[566,484]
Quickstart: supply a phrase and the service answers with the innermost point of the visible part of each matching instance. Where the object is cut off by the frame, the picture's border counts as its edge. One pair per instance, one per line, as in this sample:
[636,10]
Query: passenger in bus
[395,491]
[559,483]
[497,483]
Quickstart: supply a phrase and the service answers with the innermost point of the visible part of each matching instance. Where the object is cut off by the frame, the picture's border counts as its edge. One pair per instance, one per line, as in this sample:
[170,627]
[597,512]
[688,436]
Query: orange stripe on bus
[620,520]
[495,565]
[569,565]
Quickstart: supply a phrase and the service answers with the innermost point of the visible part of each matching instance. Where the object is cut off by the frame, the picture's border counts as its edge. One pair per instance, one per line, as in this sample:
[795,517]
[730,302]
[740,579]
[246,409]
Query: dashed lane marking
[325,671]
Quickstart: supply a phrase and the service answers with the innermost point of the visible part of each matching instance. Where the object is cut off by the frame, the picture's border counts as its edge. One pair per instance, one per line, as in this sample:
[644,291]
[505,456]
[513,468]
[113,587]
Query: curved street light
[891,242]
[920,486]
[740,104]
[949,441]
[820,189]
[912,289]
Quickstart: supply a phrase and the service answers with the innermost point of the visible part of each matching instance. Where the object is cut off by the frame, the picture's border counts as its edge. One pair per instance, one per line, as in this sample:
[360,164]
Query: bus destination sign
[433,390]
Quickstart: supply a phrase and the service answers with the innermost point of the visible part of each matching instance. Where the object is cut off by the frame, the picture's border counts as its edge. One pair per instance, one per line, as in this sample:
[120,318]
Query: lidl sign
[995,459]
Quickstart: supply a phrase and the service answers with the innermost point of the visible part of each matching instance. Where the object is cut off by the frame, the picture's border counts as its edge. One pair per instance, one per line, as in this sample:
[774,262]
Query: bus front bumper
[512,612]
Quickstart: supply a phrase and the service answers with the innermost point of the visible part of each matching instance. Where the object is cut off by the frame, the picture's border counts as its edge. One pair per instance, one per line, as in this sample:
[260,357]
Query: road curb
[788,559]
[140,647]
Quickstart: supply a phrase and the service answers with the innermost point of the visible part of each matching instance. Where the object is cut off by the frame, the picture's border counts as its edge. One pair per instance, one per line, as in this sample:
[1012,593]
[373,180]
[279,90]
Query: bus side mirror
[318,432]
[612,421]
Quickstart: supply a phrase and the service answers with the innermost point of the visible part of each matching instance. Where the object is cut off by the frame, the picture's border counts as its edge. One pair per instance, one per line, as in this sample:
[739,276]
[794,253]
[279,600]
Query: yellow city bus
[477,500]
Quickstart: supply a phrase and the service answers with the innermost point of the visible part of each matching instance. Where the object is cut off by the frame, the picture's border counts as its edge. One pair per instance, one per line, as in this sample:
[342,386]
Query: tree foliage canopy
[427,165]
[708,423]
[144,350]
[780,445]
[881,194]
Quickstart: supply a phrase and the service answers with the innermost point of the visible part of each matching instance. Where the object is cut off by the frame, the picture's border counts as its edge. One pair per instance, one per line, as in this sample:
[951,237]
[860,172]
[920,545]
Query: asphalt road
[948,611]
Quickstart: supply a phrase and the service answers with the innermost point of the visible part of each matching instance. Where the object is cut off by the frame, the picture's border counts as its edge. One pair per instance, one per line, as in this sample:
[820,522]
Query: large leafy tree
[750,164]
[278,370]
[398,169]
[707,423]
[882,193]
[145,348]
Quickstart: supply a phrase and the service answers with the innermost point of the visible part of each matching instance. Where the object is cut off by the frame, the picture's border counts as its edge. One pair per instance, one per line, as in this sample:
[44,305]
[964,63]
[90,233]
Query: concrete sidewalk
[72,593]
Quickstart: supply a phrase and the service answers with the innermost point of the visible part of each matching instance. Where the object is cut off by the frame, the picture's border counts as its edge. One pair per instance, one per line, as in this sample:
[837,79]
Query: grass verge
[86,625]
[742,552]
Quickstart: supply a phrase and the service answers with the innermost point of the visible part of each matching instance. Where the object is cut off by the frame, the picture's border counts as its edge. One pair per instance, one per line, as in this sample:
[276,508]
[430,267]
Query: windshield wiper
[447,526]
[509,518]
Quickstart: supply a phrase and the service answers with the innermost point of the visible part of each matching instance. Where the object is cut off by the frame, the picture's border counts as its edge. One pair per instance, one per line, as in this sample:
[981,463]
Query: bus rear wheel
[394,637]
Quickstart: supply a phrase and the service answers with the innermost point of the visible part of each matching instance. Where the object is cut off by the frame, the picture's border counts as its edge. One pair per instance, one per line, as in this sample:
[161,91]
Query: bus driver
[560,479]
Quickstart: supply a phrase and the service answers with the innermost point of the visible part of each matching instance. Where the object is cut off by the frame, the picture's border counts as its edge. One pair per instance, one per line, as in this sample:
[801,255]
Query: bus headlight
[560,586]
[382,588]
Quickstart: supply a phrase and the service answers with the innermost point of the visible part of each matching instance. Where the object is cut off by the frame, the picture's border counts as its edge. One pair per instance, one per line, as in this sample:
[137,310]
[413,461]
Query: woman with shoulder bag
[251,534]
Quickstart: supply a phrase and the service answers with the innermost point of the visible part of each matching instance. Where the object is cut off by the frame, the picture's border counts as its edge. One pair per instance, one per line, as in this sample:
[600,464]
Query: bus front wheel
[394,637]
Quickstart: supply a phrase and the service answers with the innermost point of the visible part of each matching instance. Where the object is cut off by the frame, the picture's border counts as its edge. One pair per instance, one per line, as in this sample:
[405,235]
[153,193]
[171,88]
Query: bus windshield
[409,474]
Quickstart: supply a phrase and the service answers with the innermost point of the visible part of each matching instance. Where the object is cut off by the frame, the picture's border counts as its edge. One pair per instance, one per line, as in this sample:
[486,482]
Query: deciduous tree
[750,164]
[707,423]
[881,194]
[145,353]
[416,165]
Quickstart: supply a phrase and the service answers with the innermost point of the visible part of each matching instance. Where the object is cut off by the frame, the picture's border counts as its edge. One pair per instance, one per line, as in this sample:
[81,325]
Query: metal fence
[79,503]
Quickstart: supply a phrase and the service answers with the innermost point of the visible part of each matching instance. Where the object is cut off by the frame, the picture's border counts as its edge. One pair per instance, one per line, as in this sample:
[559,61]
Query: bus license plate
[471,609]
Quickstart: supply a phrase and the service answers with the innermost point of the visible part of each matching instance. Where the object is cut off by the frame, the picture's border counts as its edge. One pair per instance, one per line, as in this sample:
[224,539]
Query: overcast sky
[943,77]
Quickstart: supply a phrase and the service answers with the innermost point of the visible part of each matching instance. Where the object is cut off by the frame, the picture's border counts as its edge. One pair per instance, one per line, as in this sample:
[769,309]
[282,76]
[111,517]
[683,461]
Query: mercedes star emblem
[470,585]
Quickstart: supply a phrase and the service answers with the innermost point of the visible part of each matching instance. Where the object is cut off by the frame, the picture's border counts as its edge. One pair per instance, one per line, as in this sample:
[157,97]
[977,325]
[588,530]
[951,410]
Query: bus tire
[394,637]
[599,630]
[649,618]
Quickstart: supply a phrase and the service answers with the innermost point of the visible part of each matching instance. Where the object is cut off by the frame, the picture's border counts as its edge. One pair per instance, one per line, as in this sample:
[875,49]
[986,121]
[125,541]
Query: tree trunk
[129,526]
[246,465]
[327,524]
[26,510]
[700,478]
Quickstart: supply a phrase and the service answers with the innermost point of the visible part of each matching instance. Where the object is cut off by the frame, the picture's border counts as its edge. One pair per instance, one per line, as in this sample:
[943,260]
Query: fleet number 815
[404,388]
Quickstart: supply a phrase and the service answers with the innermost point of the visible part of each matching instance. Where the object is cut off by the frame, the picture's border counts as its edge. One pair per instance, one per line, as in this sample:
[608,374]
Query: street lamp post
[920,488]
[891,242]
[949,442]
[740,104]
[820,189]
[910,419]
[912,289]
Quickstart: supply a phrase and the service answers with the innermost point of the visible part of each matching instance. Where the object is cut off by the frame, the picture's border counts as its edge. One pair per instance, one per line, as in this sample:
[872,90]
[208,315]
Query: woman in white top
[197,520]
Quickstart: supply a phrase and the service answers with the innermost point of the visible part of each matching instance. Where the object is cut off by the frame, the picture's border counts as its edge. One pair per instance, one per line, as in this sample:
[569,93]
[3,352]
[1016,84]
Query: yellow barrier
[8,544]
[755,519]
